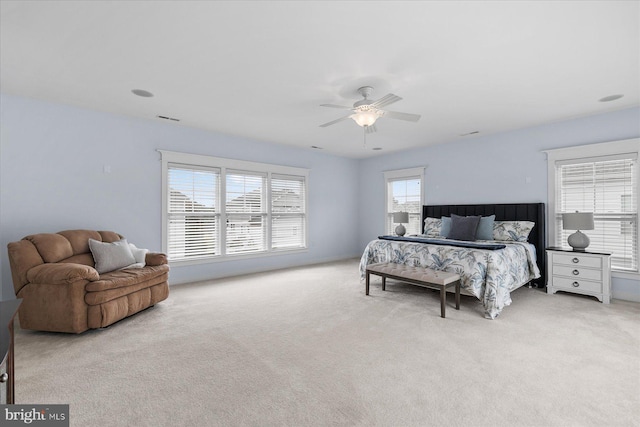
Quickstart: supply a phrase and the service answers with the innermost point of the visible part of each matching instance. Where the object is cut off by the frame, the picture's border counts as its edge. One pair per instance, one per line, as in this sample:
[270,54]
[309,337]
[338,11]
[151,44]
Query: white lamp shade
[365,118]
[401,217]
[577,221]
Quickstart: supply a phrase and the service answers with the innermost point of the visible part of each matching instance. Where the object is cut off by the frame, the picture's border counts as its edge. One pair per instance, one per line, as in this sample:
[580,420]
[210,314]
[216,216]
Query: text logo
[35,415]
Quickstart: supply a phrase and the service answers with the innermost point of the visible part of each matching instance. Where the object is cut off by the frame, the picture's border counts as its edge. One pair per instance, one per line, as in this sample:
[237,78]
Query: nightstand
[8,311]
[586,273]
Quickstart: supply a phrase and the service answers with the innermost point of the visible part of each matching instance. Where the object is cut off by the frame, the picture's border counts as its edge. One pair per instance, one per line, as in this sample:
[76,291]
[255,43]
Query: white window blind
[405,195]
[288,211]
[217,208]
[606,186]
[193,211]
[246,210]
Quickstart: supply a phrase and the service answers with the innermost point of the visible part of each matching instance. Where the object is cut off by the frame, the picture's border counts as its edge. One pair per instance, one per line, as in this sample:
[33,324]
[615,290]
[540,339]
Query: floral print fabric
[517,231]
[489,275]
[432,227]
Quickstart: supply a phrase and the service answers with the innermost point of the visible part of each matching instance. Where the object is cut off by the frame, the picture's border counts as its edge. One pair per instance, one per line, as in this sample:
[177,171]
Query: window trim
[586,153]
[398,175]
[226,164]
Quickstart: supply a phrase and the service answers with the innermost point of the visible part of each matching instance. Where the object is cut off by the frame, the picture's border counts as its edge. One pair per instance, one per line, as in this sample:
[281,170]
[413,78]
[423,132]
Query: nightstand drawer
[576,285]
[577,260]
[577,272]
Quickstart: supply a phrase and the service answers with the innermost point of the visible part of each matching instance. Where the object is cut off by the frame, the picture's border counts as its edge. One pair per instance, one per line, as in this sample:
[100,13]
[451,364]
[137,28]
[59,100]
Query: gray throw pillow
[463,227]
[111,256]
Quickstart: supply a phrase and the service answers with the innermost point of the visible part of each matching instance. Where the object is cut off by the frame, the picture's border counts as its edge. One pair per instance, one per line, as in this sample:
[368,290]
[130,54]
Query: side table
[586,273]
[8,311]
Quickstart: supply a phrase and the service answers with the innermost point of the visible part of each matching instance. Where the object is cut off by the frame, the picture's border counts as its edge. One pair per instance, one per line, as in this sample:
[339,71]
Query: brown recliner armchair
[61,290]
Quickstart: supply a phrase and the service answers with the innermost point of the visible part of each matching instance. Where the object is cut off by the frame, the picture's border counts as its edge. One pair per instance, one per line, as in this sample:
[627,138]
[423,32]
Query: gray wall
[503,168]
[52,178]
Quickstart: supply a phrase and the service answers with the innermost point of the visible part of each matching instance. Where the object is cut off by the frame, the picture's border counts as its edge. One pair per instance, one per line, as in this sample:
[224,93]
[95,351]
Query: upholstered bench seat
[128,277]
[419,276]
[107,290]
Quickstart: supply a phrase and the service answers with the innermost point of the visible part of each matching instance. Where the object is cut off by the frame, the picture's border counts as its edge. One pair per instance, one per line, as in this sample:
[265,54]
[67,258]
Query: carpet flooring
[305,347]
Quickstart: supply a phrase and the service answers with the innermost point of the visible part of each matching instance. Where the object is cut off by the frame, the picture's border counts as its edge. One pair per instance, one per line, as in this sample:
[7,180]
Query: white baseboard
[258,269]
[626,296]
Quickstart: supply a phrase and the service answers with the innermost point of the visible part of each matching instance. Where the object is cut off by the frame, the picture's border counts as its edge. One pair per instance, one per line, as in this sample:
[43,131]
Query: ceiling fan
[366,111]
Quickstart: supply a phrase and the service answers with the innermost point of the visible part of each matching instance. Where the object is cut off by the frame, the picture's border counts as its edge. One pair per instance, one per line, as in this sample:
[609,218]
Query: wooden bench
[418,276]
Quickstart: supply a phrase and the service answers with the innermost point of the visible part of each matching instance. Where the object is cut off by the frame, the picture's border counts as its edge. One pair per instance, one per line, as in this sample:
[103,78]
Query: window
[217,207]
[246,210]
[194,212]
[288,219]
[404,194]
[605,184]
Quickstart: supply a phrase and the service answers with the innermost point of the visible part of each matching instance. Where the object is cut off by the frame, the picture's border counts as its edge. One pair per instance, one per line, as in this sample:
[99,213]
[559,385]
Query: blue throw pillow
[445,228]
[485,228]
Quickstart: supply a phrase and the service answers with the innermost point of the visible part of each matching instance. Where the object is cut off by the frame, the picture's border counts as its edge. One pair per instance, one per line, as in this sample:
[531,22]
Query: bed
[489,270]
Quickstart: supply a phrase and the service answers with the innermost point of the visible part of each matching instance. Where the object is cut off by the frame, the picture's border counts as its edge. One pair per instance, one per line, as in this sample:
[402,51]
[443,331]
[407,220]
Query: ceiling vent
[168,118]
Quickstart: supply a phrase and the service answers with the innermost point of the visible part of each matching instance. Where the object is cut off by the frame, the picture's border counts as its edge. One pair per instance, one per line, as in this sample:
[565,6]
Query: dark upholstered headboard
[504,212]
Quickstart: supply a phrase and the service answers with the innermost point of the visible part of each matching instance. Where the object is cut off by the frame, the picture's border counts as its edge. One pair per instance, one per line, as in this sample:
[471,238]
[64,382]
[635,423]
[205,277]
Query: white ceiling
[261,69]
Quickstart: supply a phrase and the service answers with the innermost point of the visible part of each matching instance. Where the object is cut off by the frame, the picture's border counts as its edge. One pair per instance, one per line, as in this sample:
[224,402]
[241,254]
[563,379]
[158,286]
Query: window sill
[224,258]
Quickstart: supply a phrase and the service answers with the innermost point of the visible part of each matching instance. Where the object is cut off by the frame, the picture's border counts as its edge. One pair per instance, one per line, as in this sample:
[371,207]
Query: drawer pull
[576,272]
[575,260]
[4,377]
[575,284]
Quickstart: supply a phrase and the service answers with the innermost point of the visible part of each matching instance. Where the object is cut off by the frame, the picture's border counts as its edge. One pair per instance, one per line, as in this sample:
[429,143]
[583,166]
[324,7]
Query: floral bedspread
[490,275]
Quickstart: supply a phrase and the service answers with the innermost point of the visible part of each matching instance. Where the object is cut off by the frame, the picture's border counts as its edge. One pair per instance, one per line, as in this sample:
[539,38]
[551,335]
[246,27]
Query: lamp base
[400,230]
[578,241]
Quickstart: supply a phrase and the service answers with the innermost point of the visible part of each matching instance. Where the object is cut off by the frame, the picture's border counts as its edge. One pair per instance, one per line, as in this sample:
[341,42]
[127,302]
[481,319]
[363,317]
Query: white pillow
[111,256]
[139,254]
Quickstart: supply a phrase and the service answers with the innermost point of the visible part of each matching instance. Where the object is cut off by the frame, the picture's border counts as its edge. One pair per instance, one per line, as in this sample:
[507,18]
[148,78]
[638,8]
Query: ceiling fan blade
[402,116]
[342,107]
[370,129]
[386,100]
[335,121]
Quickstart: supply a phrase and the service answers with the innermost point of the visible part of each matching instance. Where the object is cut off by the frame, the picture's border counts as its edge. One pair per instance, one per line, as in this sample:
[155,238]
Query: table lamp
[578,221]
[400,218]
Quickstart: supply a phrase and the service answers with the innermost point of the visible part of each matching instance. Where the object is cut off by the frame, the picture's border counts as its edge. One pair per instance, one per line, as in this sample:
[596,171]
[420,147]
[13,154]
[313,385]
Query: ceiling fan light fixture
[366,112]
[365,118]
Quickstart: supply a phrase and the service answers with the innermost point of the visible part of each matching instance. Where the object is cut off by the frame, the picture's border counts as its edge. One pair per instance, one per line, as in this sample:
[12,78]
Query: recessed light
[143,93]
[610,98]
[316,147]
[377,148]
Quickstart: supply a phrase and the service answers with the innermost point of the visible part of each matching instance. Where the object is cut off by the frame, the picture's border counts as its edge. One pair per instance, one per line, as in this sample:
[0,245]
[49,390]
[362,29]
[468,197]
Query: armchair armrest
[61,273]
[156,258]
